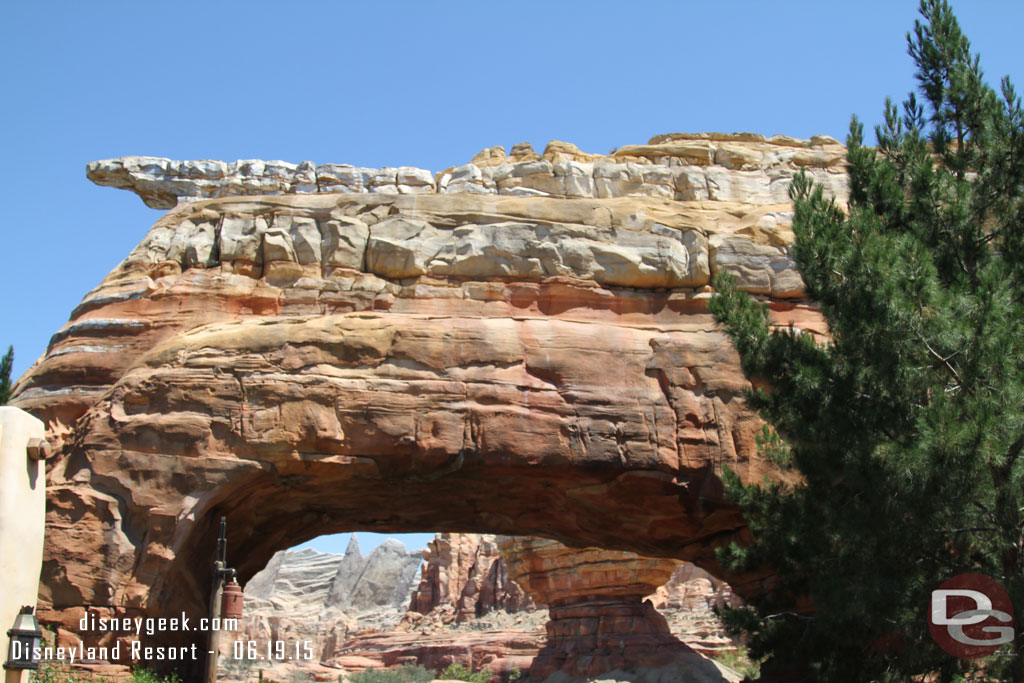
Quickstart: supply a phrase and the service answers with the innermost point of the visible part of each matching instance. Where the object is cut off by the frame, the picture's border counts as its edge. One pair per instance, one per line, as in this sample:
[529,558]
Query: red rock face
[599,619]
[464,577]
[310,364]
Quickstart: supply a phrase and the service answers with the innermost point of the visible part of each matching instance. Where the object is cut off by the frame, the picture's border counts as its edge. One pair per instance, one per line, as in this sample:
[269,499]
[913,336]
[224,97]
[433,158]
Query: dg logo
[971,616]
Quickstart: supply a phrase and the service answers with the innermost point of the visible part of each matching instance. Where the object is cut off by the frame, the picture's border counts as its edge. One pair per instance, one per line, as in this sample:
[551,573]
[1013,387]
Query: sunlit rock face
[490,353]
[318,586]
[465,577]
[465,610]
[741,167]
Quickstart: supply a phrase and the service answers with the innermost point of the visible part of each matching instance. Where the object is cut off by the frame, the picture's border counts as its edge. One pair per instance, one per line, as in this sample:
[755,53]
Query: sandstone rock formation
[455,359]
[599,619]
[502,651]
[322,598]
[736,168]
[688,601]
[323,591]
[465,577]
[466,610]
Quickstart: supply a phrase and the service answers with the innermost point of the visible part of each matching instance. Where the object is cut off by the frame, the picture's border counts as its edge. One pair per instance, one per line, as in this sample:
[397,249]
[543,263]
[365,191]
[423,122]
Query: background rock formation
[308,595]
[453,616]
[465,577]
[599,619]
[312,586]
[453,359]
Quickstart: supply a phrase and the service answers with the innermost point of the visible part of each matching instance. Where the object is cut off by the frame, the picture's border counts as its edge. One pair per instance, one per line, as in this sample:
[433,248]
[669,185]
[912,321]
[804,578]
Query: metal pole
[13,676]
[215,598]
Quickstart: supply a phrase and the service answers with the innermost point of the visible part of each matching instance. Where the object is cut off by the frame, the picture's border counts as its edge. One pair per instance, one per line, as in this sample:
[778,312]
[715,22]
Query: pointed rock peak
[353,547]
[391,545]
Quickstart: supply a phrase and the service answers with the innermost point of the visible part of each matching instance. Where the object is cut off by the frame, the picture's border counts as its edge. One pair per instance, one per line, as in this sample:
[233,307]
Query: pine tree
[906,425]
[6,365]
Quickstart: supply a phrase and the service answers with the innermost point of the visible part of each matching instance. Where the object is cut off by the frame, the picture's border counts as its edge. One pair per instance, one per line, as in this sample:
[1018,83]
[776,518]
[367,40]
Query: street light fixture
[26,641]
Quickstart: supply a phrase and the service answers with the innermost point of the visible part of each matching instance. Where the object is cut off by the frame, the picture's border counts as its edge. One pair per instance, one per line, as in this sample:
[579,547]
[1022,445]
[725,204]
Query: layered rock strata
[454,618]
[497,258]
[599,618]
[351,609]
[313,363]
[318,595]
[465,610]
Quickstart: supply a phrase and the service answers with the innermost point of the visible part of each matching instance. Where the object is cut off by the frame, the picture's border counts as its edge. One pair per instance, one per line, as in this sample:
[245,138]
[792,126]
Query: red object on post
[231,601]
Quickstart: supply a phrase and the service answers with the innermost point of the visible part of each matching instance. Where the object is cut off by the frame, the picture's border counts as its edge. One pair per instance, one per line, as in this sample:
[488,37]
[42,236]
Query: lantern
[26,641]
[231,600]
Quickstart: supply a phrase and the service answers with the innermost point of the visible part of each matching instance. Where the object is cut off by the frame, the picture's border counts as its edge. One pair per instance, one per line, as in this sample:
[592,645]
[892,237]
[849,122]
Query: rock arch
[455,361]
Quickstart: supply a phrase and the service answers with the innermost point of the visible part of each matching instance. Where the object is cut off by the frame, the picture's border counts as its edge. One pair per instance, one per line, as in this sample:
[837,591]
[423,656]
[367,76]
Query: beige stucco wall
[22,516]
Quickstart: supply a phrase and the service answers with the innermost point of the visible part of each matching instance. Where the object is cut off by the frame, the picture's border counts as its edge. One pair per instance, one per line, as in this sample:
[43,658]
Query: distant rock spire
[353,548]
[386,576]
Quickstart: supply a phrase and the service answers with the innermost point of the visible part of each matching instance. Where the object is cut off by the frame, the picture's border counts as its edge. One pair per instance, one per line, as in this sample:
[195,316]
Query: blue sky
[337,543]
[401,83]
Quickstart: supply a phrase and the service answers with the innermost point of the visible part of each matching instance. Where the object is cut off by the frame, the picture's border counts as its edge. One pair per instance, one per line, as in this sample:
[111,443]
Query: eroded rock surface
[740,167]
[599,619]
[453,359]
[465,577]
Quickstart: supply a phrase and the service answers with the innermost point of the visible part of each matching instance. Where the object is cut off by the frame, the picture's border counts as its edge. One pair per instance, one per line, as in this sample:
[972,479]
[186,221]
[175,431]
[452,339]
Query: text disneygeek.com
[151,625]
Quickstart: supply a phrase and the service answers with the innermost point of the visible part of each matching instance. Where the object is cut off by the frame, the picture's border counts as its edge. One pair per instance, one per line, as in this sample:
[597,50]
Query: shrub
[458,672]
[49,673]
[406,674]
[147,676]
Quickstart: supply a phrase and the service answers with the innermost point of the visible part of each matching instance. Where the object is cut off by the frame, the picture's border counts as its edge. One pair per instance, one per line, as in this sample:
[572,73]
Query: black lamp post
[26,641]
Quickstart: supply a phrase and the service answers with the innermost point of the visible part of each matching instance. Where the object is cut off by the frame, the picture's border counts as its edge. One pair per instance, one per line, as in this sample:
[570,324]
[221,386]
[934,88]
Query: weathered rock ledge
[720,167]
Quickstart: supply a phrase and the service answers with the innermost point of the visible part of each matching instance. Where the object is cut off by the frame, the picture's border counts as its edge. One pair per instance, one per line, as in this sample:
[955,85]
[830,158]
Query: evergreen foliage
[906,426]
[6,364]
